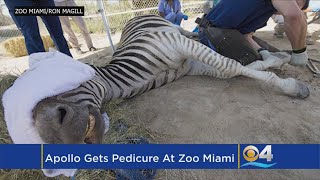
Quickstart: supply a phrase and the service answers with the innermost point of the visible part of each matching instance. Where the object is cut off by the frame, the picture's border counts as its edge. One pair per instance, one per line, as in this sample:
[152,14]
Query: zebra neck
[120,82]
[108,83]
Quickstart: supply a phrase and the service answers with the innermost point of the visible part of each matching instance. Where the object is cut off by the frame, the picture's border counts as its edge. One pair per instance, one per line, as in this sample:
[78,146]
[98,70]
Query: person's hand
[299,59]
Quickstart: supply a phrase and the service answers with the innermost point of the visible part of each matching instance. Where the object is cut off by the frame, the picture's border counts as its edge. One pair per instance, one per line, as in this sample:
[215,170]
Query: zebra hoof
[302,90]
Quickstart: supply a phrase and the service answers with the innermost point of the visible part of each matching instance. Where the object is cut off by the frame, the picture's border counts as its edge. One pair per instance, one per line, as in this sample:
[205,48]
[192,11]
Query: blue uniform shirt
[165,8]
[244,15]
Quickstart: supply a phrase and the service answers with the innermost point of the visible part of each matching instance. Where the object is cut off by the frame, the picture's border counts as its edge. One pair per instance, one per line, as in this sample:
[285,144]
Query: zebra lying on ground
[152,52]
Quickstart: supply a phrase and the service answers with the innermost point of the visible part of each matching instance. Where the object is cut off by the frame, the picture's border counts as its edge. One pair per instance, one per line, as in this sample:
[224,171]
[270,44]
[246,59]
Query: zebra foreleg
[199,68]
[270,62]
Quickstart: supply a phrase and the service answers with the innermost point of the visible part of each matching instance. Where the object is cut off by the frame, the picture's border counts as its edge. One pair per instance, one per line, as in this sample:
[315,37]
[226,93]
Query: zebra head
[63,122]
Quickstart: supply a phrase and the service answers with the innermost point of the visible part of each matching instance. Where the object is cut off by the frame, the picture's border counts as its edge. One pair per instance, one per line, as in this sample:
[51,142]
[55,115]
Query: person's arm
[179,6]
[162,14]
[294,21]
[252,42]
[161,9]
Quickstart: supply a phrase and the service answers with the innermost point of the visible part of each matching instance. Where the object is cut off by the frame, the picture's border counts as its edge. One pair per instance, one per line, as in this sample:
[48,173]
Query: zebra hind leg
[270,62]
[199,68]
[288,86]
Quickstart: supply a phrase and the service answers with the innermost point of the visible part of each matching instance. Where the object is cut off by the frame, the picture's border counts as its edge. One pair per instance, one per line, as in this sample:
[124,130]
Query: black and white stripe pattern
[141,62]
[153,52]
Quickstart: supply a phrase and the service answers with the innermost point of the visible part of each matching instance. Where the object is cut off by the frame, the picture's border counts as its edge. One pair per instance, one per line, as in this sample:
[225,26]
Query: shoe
[279,31]
[92,49]
[309,40]
[280,35]
[78,51]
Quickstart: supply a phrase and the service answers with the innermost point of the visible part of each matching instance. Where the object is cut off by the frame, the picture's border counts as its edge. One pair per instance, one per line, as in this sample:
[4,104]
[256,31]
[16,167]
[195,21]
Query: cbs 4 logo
[251,153]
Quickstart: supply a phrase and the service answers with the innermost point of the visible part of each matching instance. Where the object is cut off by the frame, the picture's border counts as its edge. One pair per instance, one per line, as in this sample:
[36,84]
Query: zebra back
[140,25]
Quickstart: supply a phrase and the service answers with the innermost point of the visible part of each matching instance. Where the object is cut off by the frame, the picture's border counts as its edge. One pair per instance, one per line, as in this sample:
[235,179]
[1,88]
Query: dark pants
[230,43]
[203,37]
[28,25]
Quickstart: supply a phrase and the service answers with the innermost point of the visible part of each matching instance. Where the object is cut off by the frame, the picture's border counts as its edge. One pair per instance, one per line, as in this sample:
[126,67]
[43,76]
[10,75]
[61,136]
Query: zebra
[152,52]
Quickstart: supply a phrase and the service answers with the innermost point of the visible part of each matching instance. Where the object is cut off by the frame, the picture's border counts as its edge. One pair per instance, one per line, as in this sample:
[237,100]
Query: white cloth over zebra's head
[50,74]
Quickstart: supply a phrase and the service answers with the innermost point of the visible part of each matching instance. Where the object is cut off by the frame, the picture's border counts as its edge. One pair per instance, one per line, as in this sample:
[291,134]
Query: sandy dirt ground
[238,110]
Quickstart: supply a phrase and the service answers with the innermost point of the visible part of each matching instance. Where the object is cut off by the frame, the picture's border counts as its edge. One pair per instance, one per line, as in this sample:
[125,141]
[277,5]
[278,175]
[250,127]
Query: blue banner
[16,156]
[152,156]
[160,156]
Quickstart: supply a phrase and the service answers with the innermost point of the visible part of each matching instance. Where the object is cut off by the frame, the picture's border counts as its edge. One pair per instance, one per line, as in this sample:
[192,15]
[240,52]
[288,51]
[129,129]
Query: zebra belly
[160,79]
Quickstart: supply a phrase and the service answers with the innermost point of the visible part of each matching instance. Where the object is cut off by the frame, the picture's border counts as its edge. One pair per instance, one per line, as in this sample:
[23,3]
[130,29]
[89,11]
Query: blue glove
[185,17]
[196,29]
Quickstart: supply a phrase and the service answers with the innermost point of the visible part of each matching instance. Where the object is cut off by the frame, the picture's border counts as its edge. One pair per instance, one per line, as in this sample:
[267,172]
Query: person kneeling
[229,28]
[171,11]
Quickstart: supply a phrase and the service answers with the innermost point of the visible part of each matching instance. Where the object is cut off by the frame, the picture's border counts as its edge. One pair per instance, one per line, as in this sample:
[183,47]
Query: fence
[118,12]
